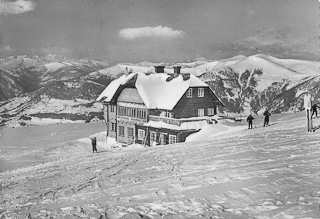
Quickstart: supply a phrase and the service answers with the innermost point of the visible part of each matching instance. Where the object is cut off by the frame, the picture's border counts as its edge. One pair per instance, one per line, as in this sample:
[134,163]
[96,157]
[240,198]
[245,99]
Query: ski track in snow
[270,172]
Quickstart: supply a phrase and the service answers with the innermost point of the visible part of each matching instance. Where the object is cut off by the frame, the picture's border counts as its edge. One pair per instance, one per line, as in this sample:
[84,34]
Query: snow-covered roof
[112,88]
[156,91]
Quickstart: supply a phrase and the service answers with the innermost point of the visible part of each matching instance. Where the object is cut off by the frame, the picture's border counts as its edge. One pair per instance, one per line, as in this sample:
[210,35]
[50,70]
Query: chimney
[176,71]
[159,69]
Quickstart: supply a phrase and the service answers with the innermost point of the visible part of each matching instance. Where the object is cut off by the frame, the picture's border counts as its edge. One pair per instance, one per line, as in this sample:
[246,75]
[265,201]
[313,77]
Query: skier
[314,109]
[266,115]
[94,144]
[249,120]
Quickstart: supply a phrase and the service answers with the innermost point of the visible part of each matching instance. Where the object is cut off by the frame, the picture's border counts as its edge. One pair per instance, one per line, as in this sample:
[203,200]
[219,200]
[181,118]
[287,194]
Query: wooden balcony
[177,122]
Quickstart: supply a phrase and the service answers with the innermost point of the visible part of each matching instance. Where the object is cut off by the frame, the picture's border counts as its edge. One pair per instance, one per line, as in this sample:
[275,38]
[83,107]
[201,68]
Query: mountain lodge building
[157,108]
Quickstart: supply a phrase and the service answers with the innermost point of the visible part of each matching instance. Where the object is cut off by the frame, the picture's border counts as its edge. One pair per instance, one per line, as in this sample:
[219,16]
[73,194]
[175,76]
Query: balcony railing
[176,122]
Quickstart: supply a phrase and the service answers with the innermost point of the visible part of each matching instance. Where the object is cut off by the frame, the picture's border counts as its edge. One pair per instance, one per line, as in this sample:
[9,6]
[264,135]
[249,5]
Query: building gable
[188,106]
[130,95]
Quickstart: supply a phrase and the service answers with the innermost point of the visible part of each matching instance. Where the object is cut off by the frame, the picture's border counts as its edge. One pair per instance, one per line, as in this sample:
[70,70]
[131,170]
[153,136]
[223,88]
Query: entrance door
[153,138]
[162,138]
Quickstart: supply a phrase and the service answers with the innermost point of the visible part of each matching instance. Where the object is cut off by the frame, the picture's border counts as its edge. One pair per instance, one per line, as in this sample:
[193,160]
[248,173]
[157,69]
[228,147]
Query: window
[112,107]
[132,112]
[211,111]
[200,112]
[166,114]
[121,131]
[113,126]
[130,132]
[153,137]
[172,139]
[200,92]
[141,134]
[189,93]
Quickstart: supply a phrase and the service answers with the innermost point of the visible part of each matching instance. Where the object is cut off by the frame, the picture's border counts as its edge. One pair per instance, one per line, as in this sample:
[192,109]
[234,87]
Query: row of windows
[132,112]
[142,135]
[210,112]
[200,92]
[153,137]
[129,132]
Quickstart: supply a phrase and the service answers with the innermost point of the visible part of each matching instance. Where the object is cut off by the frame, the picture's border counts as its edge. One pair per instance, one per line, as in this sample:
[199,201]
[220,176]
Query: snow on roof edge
[154,89]
[112,88]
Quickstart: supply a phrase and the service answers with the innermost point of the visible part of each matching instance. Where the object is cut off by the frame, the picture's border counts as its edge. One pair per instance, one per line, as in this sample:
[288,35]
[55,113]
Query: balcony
[177,122]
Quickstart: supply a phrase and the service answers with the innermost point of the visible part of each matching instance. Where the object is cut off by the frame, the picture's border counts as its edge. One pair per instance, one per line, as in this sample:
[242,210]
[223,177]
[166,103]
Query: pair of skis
[255,127]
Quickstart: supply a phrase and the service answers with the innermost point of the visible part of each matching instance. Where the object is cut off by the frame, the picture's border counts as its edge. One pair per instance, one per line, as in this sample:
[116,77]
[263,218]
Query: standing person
[314,109]
[94,144]
[249,120]
[266,115]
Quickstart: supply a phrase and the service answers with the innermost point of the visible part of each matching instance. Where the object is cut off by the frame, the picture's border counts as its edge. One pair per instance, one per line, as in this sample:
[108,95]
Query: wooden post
[307,106]
[309,120]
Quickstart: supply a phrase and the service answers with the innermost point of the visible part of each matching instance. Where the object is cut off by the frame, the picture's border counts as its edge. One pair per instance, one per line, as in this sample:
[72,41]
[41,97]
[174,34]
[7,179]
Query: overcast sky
[160,30]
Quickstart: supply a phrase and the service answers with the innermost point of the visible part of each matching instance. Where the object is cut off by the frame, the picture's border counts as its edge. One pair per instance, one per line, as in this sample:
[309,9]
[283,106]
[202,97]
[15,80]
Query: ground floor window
[172,139]
[130,132]
[121,130]
[113,126]
[200,112]
[211,111]
[141,134]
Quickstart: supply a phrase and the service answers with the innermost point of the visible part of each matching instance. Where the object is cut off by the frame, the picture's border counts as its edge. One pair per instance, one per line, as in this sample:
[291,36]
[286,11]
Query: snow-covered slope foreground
[270,172]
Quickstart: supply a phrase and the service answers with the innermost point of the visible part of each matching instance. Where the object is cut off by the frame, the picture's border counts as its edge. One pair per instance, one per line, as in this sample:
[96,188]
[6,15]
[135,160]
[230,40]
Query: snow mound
[210,131]
[193,125]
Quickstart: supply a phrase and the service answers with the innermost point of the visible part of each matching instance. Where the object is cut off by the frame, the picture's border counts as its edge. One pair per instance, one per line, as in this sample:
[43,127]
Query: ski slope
[270,172]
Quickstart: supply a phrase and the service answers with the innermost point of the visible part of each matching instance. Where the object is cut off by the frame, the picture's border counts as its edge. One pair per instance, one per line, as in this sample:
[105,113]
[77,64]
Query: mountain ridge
[244,83]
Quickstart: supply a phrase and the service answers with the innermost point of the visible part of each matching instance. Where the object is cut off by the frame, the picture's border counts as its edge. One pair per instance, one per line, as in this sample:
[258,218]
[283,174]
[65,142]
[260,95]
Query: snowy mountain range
[53,87]
[257,82]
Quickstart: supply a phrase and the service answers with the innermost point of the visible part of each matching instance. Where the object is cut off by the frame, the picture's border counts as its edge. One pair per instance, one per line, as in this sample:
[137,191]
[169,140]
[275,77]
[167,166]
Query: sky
[160,30]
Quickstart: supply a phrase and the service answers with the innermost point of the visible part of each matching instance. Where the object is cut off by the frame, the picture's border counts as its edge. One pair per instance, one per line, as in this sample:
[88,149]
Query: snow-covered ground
[270,172]
[24,146]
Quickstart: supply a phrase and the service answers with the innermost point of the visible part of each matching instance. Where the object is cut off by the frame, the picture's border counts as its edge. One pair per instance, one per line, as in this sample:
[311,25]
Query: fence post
[307,107]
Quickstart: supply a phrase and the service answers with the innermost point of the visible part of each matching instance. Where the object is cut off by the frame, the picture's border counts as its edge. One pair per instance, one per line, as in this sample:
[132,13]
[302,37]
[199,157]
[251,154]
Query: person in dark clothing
[249,120]
[266,115]
[94,144]
[314,109]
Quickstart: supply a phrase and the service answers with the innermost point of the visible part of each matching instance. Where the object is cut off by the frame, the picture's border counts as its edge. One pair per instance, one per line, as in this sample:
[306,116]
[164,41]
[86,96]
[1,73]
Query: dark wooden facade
[188,106]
